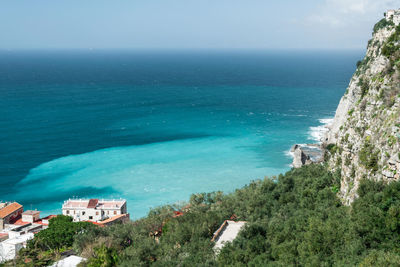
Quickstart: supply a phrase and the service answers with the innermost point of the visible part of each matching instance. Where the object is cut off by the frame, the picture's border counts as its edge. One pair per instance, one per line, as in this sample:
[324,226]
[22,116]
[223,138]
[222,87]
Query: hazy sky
[189,24]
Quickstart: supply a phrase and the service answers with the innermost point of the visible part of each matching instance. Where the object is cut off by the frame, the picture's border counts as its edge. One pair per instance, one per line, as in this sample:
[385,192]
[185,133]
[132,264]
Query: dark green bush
[369,156]
[383,23]
[295,219]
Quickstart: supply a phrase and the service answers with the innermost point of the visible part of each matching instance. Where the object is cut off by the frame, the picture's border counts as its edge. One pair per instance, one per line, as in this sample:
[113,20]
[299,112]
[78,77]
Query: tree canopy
[295,219]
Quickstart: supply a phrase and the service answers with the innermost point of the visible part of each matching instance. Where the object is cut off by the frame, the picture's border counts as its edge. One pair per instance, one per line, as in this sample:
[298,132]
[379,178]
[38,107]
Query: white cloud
[342,13]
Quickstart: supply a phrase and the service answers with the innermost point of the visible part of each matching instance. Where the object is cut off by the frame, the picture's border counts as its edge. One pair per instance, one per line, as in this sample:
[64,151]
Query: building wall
[396,19]
[30,218]
[10,247]
[13,216]
[389,14]
[85,214]
[393,15]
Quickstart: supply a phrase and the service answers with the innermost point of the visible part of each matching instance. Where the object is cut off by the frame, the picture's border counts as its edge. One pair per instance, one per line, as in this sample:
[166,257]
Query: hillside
[295,219]
[342,212]
[364,139]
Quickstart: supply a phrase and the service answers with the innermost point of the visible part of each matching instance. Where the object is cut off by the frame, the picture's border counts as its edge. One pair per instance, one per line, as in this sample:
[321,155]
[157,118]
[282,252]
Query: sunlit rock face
[364,136]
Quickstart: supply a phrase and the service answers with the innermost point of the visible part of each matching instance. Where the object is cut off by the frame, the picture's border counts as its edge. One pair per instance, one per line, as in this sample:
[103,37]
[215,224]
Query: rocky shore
[307,154]
[364,137]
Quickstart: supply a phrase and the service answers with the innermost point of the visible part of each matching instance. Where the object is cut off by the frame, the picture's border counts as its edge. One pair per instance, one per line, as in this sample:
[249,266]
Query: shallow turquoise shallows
[155,127]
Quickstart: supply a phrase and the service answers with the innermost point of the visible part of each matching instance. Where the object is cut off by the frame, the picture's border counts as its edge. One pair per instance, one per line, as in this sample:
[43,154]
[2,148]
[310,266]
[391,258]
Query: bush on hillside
[295,219]
[383,23]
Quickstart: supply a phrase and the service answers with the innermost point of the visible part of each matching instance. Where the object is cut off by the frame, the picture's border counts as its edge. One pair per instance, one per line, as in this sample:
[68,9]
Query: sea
[154,127]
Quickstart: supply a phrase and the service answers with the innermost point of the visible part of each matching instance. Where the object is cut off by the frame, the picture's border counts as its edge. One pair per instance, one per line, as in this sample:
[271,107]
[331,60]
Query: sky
[189,24]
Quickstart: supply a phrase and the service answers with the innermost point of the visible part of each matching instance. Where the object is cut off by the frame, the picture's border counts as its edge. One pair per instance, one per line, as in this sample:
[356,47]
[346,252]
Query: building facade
[393,15]
[10,247]
[30,216]
[10,213]
[93,209]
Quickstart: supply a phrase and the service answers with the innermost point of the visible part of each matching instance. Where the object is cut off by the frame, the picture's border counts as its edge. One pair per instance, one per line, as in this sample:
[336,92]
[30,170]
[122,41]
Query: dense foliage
[369,156]
[383,23]
[50,243]
[295,219]
[391,49]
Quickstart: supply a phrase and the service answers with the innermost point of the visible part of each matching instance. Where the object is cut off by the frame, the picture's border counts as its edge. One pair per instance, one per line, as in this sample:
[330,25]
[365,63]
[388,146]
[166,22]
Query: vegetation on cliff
[364,142]
[383,23]
[294,219]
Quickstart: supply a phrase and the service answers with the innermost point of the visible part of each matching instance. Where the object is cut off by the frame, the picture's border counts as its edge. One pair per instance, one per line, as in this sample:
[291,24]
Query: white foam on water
[327,121]
[290,154]
[317,133]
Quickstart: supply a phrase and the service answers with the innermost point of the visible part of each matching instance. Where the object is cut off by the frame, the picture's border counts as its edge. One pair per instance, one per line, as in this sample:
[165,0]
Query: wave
[317,133]
[290,154]
[326,121]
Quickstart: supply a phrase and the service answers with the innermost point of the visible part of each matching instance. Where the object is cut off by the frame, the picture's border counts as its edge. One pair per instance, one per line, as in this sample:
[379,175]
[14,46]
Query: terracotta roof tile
[20,222]
[117,217]
[4,212]
[92,203]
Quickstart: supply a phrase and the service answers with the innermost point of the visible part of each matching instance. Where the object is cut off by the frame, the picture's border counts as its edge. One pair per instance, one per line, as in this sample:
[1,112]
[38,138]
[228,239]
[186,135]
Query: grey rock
[305,155]
[388,174]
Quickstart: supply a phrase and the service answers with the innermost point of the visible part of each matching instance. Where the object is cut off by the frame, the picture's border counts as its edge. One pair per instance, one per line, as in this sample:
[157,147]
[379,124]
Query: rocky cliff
[364,138]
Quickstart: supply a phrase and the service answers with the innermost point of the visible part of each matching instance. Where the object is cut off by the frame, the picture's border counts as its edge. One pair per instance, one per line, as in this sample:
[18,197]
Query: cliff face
[364,138]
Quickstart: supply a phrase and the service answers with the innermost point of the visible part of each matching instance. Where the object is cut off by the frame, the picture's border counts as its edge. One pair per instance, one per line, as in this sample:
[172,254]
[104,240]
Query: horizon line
[175,49]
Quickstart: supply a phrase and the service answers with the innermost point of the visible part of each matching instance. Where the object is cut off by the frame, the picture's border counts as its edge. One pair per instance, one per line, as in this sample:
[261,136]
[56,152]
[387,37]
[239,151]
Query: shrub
[295,219]
[332,148]
[60,234]
[368,156]
[383,23]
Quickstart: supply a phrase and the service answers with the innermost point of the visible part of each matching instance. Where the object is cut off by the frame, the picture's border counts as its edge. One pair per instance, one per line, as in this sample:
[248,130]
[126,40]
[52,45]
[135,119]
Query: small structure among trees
[393,15]
[227,232]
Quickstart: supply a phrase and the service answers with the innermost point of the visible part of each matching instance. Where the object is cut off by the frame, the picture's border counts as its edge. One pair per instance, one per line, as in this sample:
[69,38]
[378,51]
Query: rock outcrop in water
[364,138]
[307,154]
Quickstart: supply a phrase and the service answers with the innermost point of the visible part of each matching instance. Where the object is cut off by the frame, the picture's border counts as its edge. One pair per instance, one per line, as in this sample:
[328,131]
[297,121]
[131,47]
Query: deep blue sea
[155,127]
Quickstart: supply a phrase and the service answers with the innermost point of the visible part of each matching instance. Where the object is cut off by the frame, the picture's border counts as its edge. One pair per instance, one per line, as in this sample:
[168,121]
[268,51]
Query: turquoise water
[155,127]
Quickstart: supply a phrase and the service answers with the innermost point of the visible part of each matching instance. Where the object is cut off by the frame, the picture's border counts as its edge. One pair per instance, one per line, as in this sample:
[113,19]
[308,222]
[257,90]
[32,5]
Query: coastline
[304,154]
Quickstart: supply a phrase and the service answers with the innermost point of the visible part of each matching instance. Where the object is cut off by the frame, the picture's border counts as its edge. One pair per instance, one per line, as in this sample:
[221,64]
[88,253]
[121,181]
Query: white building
[390,13]
[30,216]
[93,209]
[393,15]
[10,247]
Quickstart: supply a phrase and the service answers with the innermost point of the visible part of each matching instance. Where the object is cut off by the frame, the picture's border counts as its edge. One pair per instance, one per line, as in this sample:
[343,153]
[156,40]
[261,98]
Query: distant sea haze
[156,127]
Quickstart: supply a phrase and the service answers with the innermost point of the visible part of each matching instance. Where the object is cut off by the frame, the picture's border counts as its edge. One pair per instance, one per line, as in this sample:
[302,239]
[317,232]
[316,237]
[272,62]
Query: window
[83,213]
[90,217]
[67,211]
[115,212]
[97,213]
[108,212]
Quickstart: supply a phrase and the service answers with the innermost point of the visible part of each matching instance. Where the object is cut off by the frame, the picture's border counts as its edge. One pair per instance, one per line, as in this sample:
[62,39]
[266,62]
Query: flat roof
[31,212]
[227,233]
[68,261]
[102,203]
[19,239]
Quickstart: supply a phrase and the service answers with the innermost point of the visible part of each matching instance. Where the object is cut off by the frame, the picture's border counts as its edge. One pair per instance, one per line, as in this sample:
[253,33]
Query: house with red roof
[10,213]
[95,210]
